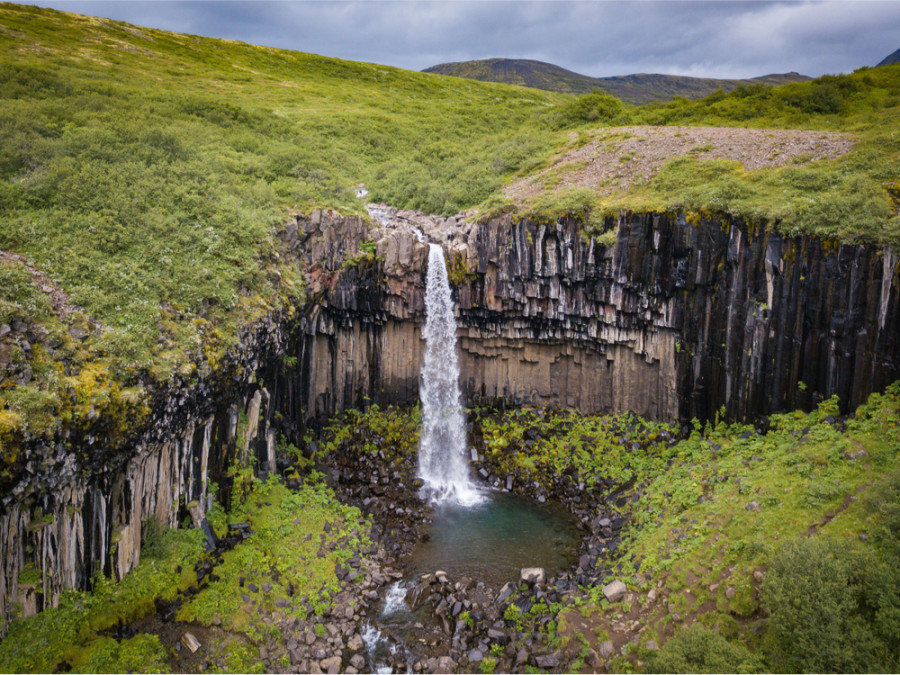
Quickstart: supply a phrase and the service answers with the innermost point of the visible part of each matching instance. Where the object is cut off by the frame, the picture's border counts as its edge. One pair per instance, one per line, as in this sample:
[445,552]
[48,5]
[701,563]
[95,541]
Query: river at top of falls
[442,448]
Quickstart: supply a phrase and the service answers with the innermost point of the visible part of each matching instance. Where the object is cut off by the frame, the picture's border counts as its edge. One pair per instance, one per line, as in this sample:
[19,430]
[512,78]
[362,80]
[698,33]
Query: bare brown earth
[617,158]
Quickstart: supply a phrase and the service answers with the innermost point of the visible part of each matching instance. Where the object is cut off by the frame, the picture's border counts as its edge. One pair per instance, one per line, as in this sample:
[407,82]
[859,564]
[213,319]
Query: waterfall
[442,463]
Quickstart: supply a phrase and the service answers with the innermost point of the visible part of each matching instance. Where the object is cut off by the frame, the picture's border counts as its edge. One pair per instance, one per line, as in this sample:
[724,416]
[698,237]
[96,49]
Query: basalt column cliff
[679,317]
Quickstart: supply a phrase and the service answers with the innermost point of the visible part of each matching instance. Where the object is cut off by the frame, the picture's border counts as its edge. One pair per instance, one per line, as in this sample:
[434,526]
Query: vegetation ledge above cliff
[144,176]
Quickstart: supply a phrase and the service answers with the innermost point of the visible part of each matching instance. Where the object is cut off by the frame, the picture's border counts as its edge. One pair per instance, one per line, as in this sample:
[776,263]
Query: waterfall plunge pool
[491,541]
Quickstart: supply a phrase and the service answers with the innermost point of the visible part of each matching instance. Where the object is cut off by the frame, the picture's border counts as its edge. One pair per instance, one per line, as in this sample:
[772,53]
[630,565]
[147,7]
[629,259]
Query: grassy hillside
[853,198]
[143,176]
[636,89]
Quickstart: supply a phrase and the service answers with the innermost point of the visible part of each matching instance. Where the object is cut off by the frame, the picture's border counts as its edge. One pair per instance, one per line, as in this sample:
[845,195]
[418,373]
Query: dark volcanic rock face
[677,319]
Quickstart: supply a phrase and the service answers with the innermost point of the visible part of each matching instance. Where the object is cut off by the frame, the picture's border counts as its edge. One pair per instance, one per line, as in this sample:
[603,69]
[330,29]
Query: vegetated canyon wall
[678,318]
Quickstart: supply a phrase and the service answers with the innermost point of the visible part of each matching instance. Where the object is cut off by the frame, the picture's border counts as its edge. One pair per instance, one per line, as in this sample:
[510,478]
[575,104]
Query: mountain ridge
[893,57]
[637,88]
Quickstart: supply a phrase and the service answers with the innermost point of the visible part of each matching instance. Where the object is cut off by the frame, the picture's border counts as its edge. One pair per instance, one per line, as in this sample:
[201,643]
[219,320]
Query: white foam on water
[394,598]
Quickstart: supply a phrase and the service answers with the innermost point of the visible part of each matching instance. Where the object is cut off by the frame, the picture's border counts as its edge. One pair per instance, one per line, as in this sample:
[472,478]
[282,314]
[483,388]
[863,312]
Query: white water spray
[442,463]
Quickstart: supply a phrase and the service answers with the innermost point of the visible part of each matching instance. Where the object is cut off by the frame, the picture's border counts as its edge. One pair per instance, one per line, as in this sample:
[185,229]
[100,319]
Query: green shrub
[700,650]
[598,106]
[883,499]
[834,607]
[142,653]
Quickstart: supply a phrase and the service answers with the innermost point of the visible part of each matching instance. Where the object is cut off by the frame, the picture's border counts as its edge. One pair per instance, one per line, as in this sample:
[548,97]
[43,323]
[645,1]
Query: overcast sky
[704,39]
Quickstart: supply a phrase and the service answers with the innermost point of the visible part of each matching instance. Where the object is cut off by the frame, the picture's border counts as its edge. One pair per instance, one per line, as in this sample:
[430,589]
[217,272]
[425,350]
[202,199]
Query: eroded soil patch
[617,158]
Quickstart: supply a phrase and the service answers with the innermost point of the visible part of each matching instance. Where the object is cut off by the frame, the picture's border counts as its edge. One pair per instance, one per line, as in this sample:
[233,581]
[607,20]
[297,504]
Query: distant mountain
[887,60]
[522,72]
[638,89]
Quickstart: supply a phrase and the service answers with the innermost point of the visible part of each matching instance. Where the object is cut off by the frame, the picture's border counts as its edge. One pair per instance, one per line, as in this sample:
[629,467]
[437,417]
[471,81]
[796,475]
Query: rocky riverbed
[454,623]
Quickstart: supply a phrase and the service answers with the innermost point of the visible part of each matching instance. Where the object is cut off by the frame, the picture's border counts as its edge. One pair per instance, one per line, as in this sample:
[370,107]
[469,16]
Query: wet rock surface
[454,623]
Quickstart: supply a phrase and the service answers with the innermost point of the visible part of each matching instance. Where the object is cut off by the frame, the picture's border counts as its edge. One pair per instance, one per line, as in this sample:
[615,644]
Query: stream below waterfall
[489,544]
[478,540]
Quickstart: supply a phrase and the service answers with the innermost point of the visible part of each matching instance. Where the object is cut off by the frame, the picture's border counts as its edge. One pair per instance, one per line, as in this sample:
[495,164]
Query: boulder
[606,649]
[614,591]
[533,575]
[355,643]
[331,665]
[498,636]
[190,642]
[506,592]
[547,661]
[445,664]
[417,594]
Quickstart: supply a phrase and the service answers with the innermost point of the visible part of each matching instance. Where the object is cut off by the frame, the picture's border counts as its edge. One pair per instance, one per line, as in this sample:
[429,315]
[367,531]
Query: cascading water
[442,462]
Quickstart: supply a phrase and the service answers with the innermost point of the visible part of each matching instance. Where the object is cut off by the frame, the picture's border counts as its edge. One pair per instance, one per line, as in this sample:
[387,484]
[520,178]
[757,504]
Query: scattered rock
[614,591]
[606,649]
[533,575]
[190,642]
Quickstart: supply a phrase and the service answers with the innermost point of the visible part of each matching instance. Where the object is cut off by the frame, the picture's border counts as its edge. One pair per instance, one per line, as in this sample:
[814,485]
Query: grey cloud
[707,39]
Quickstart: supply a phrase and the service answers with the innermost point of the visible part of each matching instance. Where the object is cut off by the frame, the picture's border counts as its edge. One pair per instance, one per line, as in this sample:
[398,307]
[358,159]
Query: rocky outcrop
[675,320]
[680,317]
[82,504]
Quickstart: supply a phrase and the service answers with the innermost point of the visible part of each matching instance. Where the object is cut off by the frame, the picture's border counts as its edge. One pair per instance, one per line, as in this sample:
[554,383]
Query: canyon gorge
[684,316]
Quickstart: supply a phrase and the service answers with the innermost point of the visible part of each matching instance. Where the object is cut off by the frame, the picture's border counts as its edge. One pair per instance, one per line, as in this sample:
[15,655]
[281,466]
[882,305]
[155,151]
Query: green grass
[289,527]
[148,174]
